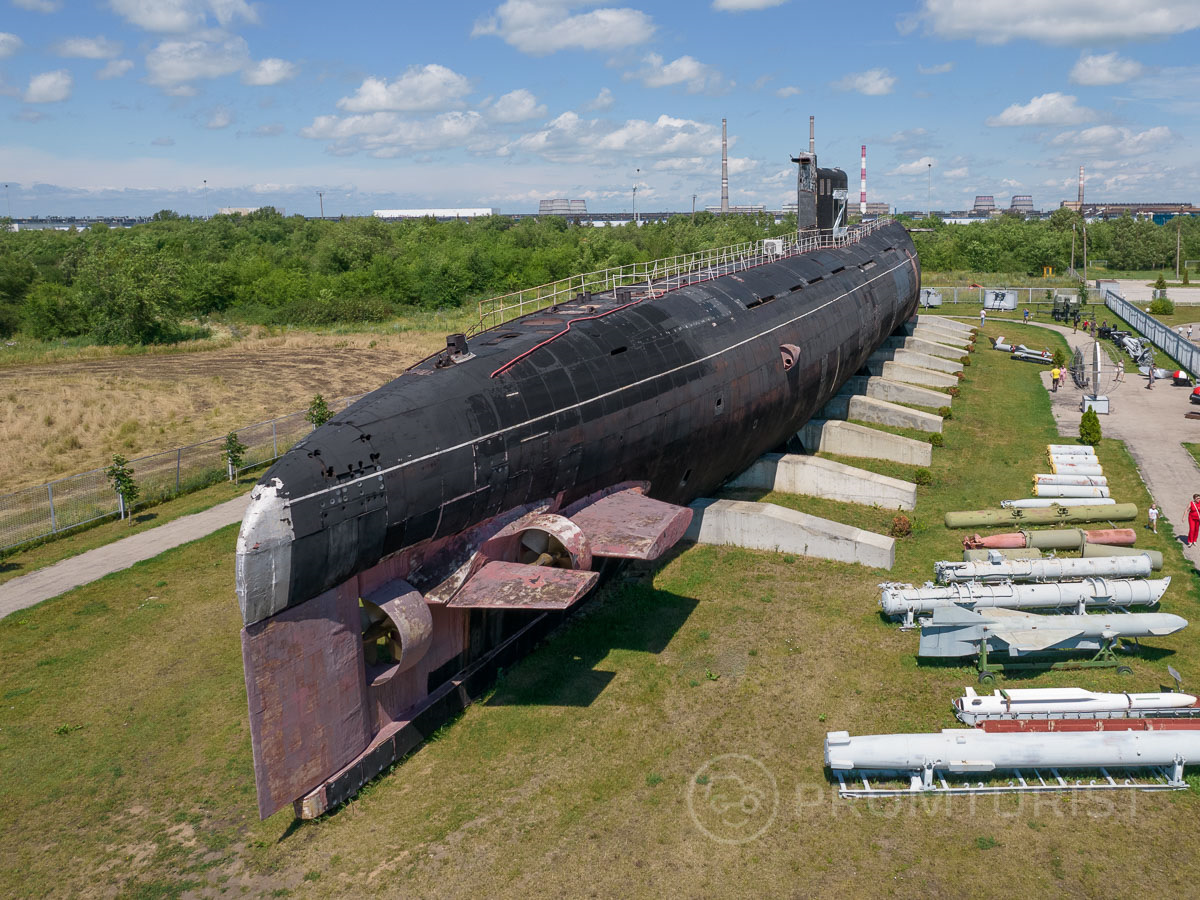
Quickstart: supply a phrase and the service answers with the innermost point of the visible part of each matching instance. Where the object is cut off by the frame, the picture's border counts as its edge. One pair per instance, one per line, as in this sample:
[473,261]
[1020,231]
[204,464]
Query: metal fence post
[274,441]
[178,466]
[50,493]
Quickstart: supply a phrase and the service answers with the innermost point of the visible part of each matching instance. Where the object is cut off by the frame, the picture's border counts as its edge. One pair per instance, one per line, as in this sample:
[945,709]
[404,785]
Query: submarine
[392,560]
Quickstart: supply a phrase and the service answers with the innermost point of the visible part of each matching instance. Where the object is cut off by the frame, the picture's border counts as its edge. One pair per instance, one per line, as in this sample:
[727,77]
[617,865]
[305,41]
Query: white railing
[663,275]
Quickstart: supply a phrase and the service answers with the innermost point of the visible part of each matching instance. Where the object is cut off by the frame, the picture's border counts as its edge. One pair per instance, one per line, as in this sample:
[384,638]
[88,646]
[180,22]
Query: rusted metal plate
[307,691]
[504,585]
[630,525]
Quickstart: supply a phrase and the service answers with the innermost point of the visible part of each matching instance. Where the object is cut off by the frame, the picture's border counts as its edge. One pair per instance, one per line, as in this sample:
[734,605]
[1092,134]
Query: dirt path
[1153,427]
[28,590]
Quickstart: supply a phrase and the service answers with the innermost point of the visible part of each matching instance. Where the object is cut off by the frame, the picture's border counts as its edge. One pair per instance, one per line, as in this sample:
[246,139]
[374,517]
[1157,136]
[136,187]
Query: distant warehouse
[473,212]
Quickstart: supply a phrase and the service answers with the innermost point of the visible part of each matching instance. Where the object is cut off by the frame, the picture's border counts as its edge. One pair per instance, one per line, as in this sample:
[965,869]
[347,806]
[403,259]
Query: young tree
[120,476]
[1089,428]
[235,454]
[318,412]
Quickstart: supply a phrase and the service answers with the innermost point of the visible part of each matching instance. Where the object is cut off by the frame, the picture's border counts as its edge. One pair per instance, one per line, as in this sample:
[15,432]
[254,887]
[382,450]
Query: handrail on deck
[661,276]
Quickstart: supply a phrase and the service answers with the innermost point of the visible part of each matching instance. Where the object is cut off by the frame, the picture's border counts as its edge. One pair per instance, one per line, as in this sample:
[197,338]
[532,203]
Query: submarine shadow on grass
[562,670]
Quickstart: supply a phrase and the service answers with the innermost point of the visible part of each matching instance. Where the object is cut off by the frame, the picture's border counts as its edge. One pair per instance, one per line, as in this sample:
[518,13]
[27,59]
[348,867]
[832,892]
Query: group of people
[1089,326]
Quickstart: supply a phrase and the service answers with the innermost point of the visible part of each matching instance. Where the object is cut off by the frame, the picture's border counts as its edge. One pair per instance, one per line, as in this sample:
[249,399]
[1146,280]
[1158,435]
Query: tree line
[162,281]
[149,283]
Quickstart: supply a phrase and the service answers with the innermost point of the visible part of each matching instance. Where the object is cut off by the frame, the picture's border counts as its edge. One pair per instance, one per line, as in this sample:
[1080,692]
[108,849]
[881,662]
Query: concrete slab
[894,371]
[896,391]
[919,345]
[791,473]
[941,335]
[765,526]
[912,358]
[942,321]
[850,439]
[879,412]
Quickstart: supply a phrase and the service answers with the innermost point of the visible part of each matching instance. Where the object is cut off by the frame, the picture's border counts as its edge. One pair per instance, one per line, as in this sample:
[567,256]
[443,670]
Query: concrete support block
[943,322]
[894,371]
[932,348]
[849,439]
[896,391]
[923,360]
[765,526]
[879,412]
[790,473]
[949,338]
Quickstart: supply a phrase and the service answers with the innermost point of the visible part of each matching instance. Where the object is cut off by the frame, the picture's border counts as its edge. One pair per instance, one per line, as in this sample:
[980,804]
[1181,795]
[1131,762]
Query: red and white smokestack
[724,170]
[862,186]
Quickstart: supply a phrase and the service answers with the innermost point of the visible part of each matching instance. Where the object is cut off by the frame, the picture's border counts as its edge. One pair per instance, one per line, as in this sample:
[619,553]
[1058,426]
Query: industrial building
[562,207]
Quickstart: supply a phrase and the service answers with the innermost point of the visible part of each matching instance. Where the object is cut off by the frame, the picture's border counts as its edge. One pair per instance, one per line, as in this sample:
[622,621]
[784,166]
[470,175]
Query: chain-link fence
[37,512]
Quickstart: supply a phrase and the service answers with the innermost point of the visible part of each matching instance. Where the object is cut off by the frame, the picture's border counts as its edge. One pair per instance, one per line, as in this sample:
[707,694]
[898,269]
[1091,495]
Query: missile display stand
[1104,658]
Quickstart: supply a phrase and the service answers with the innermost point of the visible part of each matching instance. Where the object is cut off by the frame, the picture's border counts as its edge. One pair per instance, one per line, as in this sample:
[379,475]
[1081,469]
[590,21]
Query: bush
[1185,276]
[965,361]
[937,440]
[1089,428]
[922,476]
[1058,358]
[945,413]
[954,390]
[1160,283]
[901,527]
[1162,307]
[318,412]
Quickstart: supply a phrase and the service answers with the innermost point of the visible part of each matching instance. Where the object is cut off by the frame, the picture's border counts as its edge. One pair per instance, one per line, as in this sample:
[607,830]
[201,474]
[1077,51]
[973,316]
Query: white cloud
[219,117]
[1111,140]
[42,6]
[115,68]
[789,91]
[570,138]
[88,48]
[916,167]
[385,134]
[163,142]
[686,70]
[907,136]
[541,27]
[179,16]
[173,63]
[745,5]
[9,44]
[273,130]
[1060,22]
[1047,109]
[956,174]
[517,106]
[939,69]
[419,88]
[873,82]
[1103,69]
[49,87]
[603,100]
[268,72]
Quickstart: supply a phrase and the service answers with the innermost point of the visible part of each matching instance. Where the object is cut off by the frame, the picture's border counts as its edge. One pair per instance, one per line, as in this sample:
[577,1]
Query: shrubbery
[1162,307]
[1089,428]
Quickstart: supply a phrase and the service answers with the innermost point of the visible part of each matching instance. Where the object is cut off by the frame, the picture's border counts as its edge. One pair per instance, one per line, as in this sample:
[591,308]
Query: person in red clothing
[1193,519]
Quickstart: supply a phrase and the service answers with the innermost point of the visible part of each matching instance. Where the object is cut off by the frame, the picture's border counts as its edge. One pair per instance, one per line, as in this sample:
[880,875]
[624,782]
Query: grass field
[587,771]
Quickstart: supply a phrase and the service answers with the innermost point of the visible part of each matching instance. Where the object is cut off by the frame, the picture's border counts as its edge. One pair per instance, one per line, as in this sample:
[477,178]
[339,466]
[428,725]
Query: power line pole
[206,198]
[8,200]
[1178,225]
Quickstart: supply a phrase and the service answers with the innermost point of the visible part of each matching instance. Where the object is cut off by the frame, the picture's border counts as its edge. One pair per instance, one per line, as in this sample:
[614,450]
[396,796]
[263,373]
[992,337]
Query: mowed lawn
[682,711]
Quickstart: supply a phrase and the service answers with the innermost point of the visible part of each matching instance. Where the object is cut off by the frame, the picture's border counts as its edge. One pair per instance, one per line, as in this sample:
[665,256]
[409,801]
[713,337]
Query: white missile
[953,631]
[1050,569]
[1069,490]
[1070,450]
[973,750]
[1075,460]
[898,600]
[1056,702]
[1076,469]
[1045,502]
[1049,478]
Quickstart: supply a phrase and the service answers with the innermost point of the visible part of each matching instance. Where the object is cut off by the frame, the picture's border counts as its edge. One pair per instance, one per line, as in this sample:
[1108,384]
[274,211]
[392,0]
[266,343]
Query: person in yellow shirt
[1055,377]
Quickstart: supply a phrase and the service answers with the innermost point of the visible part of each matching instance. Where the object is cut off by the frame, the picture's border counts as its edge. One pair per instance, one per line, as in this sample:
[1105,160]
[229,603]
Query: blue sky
[130,106]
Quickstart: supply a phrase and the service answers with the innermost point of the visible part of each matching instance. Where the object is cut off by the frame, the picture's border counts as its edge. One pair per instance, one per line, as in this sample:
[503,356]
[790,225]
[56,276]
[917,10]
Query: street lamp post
[321,197]
[928,190]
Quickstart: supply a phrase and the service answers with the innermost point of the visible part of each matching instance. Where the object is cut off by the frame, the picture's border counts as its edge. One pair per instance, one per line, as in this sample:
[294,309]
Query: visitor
[1027,315]
[1055,375]
[1189,332]
[1075,323]
[982,317]
[1150,381]
[1152,517]
[1193,518]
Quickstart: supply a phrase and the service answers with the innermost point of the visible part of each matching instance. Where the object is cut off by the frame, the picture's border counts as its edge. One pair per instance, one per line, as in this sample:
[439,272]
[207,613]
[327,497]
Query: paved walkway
[23,592]
[1152,425]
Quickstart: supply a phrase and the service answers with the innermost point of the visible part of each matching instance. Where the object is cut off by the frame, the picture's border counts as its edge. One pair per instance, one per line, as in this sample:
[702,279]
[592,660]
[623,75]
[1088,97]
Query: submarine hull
[453,507]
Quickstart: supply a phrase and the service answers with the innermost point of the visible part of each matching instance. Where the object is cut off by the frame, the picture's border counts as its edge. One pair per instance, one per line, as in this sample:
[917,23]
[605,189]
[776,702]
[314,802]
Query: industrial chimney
[1081,188]
[862,194]
[724,170]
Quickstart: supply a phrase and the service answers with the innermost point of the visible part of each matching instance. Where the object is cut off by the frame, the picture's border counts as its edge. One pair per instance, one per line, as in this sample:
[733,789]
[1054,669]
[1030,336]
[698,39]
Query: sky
[111,107]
